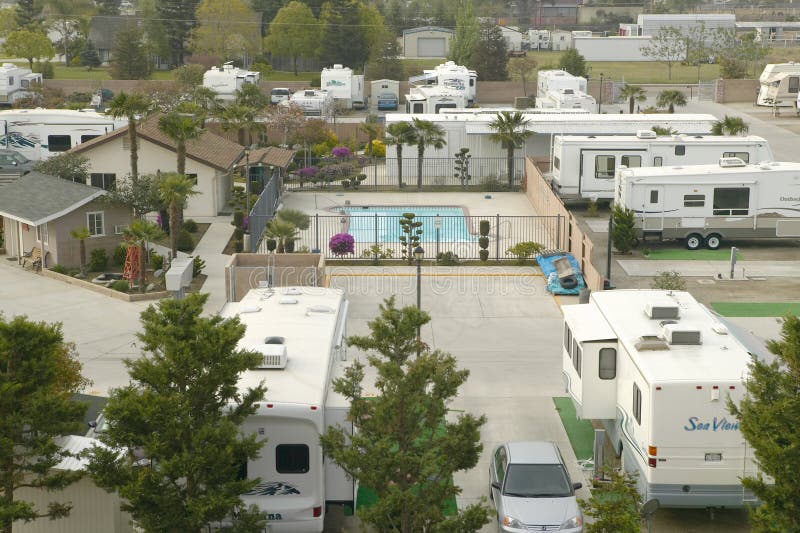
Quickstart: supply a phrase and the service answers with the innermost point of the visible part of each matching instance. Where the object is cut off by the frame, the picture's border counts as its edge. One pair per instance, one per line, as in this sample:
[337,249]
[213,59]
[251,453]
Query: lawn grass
[757,309]
[679,254]
[580,432]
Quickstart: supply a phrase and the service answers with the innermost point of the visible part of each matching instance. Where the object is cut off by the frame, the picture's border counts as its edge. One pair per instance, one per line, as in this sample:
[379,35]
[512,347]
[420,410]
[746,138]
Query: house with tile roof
[210,162]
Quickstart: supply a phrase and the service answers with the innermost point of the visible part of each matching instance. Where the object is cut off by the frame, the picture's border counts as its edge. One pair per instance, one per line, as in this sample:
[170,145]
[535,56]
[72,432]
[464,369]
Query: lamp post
[437,224]
[419,253]
[247,178]
[600,102]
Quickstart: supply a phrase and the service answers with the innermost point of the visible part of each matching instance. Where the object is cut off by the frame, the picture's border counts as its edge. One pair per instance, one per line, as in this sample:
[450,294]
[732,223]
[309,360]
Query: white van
[278,95]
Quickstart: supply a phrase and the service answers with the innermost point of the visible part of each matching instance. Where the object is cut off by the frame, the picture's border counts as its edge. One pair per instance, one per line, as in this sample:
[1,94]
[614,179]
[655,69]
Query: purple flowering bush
[341,151]
[342,244]
[308,172]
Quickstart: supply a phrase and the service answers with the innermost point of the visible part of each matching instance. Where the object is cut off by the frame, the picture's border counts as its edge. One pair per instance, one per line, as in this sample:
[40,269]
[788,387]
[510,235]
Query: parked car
[532,490]
[12,162]
[387,101]
[278,95]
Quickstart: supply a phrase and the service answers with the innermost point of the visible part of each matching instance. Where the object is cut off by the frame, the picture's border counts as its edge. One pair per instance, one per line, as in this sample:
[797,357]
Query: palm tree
[135,107]
[205,101]
[400,133]
[81,234]
[250,95]
[370,128]
[181,128]
[663,130]
[140,233]
[509,130]
[632,93]
[426,133]
[242,119]
[174,190]
[281,231]
[730,126]
[671,98]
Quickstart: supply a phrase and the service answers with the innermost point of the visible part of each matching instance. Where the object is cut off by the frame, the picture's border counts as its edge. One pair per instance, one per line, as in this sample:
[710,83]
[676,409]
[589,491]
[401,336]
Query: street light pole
[419,253]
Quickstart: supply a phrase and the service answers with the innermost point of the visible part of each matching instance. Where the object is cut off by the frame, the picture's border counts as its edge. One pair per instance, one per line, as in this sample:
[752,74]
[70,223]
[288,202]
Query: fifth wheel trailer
[656,368]
[583,166]
[704,204]
[780,83]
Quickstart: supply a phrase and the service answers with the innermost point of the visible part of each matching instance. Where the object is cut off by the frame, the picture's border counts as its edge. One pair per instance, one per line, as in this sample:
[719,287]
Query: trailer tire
[713,241]
[694,241]
[568,282]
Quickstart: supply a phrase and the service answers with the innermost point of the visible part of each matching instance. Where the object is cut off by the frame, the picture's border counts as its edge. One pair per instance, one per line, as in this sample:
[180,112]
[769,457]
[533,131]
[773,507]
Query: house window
[291,458]
[42,234]
[59,143]
[654,196]
[694,200]
[192,178]
[637,404]
[731,201]
[96,223]
[104,181]
[119,229]
[680,150]
[631,161]
[608,363]
[658,161]
[604,167]
[744,156]
[85,138]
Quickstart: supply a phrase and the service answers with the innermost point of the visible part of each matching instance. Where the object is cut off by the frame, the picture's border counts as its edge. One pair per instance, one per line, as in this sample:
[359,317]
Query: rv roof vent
[731,162]
[651,343]
[288,301]
[274,356]
[666,311]
[294,291]
[719,329]
[275,340]
[308,93]
[646,134]
[321,309]
[675,334]
[666,322]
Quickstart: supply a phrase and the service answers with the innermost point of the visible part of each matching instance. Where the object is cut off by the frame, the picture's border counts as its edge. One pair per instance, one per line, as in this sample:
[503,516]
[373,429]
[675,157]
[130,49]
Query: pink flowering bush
[341,151]
[342,244]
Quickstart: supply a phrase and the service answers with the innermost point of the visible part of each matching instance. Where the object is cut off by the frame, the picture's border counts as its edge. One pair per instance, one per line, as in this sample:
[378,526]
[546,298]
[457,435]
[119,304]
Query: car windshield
[537,481]
[280,92]
[20,159]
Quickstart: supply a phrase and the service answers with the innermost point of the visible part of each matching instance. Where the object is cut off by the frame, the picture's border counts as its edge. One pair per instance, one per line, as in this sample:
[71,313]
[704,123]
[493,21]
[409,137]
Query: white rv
[347,88]
[40,133]
[657,368]
[583,167]
[779,85]
[15,82]
[451,76]
[705,204]
[432,100]
[566,99]
[301,332]
[314,102]
[539,39]
[227,79]
[552,80]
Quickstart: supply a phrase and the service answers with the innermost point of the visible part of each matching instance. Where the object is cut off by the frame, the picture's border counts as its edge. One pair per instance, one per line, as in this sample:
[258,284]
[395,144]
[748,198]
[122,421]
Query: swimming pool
[382,223]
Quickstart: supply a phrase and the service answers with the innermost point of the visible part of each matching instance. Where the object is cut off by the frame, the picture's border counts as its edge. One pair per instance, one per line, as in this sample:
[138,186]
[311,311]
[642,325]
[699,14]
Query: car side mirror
[576,486]
[495,485]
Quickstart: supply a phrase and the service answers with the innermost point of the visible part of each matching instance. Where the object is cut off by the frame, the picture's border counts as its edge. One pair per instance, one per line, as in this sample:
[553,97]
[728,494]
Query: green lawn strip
[686,255]
[580,432]
[757,309]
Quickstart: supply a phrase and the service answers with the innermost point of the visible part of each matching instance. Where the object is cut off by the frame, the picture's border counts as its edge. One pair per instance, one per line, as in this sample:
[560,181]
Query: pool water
[365,226]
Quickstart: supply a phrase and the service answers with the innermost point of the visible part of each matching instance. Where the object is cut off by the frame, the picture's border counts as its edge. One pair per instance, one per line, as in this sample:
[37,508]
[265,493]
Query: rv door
[653,208]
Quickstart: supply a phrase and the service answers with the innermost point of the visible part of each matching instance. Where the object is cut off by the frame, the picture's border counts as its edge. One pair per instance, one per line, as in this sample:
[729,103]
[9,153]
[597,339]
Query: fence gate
[707,91]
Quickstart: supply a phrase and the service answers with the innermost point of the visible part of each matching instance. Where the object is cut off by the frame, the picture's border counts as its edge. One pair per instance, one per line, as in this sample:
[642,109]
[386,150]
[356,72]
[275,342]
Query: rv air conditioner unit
[673,334]
[663,311]
[274,356]
[646,134]
[651,343]
[731,162]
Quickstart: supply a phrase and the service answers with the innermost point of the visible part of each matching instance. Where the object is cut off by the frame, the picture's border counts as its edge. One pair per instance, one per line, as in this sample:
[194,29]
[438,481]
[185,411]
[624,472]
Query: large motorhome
[656,368]
[227,79]
[432,100]
[40,133]
[553,80]
[705,204]
[583,167]
[346,88]
[301,332]
[15,83]
[566,99]
[313,102]
[451,76]
[779,85]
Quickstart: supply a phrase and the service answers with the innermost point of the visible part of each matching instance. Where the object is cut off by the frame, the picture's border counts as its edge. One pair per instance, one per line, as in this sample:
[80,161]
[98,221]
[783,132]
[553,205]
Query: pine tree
[467,32]
[343,39]
[129,58]
[489,55]
[28,15]
[89,56]
[179,19]
[108,7]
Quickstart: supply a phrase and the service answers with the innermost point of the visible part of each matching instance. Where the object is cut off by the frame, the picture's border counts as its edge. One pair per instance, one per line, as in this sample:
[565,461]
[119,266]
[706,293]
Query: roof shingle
[37,198]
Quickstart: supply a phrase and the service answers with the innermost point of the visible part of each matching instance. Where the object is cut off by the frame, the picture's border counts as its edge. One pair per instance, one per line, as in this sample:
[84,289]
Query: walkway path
[210,250]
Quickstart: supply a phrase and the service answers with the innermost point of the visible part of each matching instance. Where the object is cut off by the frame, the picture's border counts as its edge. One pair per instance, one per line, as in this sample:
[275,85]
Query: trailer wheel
[713,241]
[694,241]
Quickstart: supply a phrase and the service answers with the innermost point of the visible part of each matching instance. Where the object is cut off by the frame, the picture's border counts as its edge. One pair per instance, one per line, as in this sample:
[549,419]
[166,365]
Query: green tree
[633,94]
[182,416]
[89,56]
[342,39]
[405,447]
[766,419]
[242,119]
[426,133]
[39,374]
[250,95]
[623,234]
[615,504]
[135,107]
[698,46]
[8,21]
[205,102]
[509,129]
[670,98]
[297,217]
[468,30]
[395,13]
[28,15]
[175,189]
[181,128]
[129,55]
[668,46]
[385,62]
[29,45]
[140,233]
[108,7]
[178,17]
[489,54]
[226,29]
[730,126]
[668,280]
[189,76]
[282,231]
[663,130]
[155,30]
[522,68]
[62,15]
[81,234]
[400,133]
[294,33]
[370,128]
[68,166]
[573,62]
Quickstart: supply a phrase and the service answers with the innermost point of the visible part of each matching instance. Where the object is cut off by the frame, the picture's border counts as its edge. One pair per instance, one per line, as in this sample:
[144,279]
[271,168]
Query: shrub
[523,250]
[156,261]
[492,184]
[46,68]
[190,226]
[98,260]
[120,285]
[316,81]
[378,148]
[484,255]
[483,242]
[120,253]
[342,244]
[238,218]
[185,241]
[238,246]
[238,234]
[341,151]
[300,220]
[623,234]
[591,209]
[271,245]
[376,253]
[197,266]
[668,281]
[484,226]
[61,269]
[447,258]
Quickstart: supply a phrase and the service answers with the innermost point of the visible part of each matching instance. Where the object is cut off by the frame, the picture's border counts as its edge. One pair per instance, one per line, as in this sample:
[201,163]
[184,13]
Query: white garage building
[612,48]
[427,41]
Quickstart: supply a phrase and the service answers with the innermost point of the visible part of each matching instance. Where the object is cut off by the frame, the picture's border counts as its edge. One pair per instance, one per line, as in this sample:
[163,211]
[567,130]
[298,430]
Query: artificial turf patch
[580,432]
[696,255]
[757,309]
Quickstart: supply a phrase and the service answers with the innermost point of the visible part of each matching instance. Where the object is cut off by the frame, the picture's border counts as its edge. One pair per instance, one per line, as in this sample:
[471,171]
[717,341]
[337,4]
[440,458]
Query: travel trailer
[656,368]
[583,167]
[421,100]
[298,369]
[779,85]
[347,88]
[15,82]
[553,80]
[314,102]
[539,39]
[227,79]
[566,99]
[40,133]
[451,76]
[705,204]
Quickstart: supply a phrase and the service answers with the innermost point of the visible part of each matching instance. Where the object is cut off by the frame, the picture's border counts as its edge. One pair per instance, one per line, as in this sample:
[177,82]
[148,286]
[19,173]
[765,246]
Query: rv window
[103,181]
[744,156]
[444,106]
[11,80]
[680,150]
[731,201]
[576,356]
[694,200]
[637,404]
[556,163]
[658,161]
[25,84]
[608,363]
[567,339]
[794,84]
[654,196]
[417,108]
[604,167]
[631,161]
[291,458]
[59,143]
[85,138]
